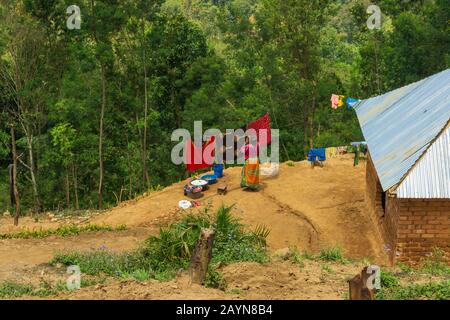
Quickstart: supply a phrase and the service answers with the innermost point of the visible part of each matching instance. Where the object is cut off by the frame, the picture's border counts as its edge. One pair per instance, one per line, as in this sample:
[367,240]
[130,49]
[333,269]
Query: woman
[250,171]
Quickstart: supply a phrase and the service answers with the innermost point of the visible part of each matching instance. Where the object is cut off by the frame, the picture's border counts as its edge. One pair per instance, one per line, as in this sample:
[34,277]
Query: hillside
[304,208]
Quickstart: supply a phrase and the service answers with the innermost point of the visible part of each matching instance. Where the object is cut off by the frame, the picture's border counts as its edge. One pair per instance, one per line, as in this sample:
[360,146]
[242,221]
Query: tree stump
[358,289]
[198,267]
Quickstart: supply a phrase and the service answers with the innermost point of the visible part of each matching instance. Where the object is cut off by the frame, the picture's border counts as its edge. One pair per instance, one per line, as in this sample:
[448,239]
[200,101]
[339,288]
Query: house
[408,168]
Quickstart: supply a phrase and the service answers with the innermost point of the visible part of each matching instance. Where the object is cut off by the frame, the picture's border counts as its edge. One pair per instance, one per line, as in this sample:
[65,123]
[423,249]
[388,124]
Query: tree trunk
[67,189]
[144,144]
[305,133]
[31,165]
[198,267]
[141,181]
[15,187]
[75,186]
[100,141]
[311,117]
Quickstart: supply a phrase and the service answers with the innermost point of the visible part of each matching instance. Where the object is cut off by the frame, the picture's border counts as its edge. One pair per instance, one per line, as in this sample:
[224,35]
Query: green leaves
[63,136]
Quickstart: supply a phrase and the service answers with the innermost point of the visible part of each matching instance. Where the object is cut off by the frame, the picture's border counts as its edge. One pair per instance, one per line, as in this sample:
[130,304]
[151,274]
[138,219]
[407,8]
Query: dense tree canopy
[92,110]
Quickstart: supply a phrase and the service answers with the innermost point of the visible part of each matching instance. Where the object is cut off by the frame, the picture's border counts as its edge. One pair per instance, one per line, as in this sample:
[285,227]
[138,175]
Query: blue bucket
[218,170]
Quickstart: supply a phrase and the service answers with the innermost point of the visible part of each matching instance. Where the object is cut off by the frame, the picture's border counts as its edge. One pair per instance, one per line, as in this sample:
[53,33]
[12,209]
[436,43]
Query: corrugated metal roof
[430,178]
[399,125]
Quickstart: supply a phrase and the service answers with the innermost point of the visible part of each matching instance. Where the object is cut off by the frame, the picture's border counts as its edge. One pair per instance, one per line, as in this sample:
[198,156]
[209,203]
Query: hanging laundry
[319,153]
[331,152]
[191,151]
[334,101]
[262,123]
[351,102]
[341,150]
[341,102]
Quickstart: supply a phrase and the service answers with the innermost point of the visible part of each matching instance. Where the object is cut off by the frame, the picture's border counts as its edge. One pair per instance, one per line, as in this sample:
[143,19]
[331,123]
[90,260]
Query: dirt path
[20,257]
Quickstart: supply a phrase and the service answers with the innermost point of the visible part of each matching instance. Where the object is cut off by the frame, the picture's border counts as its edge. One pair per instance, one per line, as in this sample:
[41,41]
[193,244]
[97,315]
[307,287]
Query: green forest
[89,112]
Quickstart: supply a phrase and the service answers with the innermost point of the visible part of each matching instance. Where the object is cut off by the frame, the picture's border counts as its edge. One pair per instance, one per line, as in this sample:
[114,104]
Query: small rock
[54,220]
[6,213]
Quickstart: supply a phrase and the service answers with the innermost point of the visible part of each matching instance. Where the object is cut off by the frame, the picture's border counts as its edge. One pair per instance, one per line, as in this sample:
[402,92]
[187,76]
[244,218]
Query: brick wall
[422,225]
[374,201]
[374,191]
[410,228]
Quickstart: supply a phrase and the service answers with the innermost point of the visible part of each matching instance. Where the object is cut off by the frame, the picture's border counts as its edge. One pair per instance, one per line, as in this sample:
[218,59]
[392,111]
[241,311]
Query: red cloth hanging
[261,123]
[206,159]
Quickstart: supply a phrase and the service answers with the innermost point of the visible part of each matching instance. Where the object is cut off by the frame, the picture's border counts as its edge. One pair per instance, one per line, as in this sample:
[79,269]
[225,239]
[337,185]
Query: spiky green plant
[160,257]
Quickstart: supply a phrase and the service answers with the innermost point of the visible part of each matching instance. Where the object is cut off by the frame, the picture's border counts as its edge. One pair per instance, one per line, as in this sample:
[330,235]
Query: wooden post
[198,267]
[358,289]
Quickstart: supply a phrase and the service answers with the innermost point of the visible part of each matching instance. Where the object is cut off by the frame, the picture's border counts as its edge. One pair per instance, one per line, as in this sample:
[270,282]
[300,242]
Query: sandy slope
[303,207]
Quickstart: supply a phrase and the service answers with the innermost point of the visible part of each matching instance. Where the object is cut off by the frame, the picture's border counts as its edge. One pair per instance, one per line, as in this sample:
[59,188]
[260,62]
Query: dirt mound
[304,208]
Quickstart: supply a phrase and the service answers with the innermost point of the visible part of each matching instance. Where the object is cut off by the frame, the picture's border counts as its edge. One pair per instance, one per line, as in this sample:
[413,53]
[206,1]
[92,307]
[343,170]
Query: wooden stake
[198,267]
[358,289]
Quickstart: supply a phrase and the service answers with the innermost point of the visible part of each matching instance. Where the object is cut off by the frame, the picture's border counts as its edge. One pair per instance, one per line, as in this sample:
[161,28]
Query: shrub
[160,257]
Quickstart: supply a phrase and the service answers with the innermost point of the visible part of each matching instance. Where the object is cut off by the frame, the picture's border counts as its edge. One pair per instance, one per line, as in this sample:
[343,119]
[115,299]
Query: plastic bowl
[210,178]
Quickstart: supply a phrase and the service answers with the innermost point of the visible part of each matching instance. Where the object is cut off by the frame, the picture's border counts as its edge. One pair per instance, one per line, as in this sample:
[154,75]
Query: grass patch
[406,285]
[326,268]
[405,268]
[436,265]
[63,231]
[308,255]
[333,254]
[439,290]
[214,279]
[388,280]
[160,257]
[297,258]
[12,290]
